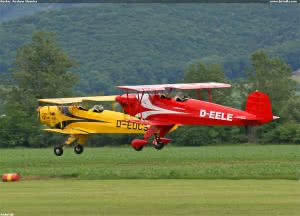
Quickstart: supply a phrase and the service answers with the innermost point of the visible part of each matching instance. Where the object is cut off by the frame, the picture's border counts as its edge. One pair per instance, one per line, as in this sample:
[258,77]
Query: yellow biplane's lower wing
[68,131]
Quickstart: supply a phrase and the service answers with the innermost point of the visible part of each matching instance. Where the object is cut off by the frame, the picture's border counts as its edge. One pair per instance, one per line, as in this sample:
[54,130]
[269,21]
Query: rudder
[258,103]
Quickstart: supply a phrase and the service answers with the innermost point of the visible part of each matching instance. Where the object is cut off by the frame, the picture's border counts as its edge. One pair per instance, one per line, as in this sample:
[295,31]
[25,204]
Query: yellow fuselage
[73,119]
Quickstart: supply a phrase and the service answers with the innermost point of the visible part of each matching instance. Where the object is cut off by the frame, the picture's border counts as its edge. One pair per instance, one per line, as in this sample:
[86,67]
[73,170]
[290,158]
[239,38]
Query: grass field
[219,162]
[150,197]
[173,181]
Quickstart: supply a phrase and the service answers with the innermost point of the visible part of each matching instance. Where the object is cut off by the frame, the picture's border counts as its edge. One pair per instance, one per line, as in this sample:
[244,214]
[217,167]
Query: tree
[199,72]
[273,77]
[40,70]
[195,135]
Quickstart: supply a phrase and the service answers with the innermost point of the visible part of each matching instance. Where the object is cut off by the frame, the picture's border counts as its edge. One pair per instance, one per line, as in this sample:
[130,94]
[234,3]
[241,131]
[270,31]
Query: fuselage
[73,117]
[187,112]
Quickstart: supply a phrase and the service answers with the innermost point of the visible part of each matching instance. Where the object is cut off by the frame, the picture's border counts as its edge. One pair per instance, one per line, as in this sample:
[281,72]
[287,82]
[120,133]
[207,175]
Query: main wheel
[159,145]
[78,149]
[58,150]
[138,148]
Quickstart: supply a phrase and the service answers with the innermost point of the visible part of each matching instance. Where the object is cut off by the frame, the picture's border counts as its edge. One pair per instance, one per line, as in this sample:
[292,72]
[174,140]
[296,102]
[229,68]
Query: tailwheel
[78,149]
[58,150]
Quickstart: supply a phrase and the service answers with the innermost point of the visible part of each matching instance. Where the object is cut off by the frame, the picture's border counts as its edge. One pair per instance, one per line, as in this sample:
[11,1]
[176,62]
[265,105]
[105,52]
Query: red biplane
[162,112]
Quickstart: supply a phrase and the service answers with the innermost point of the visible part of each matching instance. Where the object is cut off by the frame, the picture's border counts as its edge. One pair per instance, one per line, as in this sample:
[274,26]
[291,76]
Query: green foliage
[41,68]
[152,43]
[284,133]
[40,71]
[290,110]
[273,77]
[199,72]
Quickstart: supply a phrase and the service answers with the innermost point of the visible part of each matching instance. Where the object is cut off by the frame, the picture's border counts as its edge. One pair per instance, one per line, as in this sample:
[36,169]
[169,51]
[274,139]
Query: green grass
[219,162]
[150,197]
[151,182]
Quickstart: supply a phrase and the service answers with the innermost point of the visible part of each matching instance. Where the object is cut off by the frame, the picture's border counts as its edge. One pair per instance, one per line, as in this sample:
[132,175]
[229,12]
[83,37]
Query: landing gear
[78,149]
[138,144]
[58,150]
[138,148]
[159,145]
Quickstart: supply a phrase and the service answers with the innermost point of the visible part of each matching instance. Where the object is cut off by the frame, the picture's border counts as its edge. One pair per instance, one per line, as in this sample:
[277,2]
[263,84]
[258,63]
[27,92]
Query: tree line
[42,70]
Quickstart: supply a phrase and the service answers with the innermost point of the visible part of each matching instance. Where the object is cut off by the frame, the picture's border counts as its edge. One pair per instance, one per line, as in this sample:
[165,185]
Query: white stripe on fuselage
[146,103]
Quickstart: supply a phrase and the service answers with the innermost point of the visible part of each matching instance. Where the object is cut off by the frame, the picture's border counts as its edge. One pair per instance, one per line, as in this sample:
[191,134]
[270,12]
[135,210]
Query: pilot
[82,108]
[180,97]
[162,95]
[98,108]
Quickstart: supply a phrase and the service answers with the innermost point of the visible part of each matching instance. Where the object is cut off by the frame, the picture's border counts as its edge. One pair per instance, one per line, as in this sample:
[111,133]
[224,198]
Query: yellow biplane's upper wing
[78,99]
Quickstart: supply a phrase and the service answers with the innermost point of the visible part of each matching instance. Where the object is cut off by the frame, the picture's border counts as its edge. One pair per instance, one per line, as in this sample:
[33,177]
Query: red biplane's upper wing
[143,88]
[187,86]
[184,86]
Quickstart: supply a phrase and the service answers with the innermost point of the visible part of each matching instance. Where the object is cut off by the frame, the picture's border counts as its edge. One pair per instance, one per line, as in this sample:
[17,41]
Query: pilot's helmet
[98,108]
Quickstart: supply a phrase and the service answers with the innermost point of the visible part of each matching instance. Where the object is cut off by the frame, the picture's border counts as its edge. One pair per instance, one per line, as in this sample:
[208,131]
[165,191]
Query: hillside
[153,43]
[13,11]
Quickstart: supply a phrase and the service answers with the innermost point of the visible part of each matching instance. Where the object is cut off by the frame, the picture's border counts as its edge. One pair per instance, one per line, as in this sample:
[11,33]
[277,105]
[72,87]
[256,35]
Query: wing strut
[209,95]
[140,101]
[128,102]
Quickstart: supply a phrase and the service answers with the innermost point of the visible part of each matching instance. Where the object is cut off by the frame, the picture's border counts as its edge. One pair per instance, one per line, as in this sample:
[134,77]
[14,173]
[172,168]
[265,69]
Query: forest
[96,48]
[153,43]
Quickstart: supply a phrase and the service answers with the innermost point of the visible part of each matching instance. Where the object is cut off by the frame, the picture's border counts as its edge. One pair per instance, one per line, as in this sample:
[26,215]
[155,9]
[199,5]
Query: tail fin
[259,104]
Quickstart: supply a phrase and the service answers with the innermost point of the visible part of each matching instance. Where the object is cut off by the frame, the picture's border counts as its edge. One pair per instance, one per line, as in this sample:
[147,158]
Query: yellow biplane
[68,117]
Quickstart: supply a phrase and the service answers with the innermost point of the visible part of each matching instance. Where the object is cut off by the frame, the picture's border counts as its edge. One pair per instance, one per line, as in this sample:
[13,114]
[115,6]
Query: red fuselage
[188,112]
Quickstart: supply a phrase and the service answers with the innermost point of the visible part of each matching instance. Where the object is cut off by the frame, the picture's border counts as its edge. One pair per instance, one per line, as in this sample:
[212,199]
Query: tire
[78,149]
[139,148]
[58,151]
[159,146]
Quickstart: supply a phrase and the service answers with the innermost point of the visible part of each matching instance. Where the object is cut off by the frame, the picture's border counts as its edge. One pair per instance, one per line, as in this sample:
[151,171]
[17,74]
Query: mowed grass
[150,197]
[216,162]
